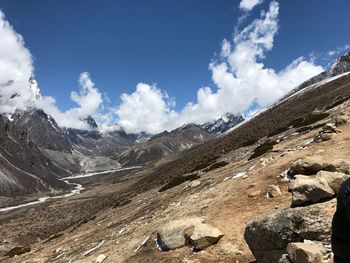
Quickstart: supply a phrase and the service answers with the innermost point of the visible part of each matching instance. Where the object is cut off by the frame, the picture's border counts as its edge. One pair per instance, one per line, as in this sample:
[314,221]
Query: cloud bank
[15,69]
[239,74]
[248,5]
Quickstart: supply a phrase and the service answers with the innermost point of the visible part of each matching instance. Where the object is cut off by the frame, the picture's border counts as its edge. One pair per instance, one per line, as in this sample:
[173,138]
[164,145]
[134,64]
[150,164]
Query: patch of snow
[142,244]
[235,176]
[88,252]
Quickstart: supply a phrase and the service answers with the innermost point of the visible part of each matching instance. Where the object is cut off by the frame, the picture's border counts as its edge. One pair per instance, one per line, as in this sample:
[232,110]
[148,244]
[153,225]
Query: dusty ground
[119,217]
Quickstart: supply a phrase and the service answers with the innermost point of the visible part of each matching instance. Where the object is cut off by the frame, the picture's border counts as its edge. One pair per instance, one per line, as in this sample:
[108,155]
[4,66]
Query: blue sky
[170,43]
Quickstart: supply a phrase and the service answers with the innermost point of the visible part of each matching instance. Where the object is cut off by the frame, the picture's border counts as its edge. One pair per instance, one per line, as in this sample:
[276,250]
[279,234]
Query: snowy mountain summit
[223,124]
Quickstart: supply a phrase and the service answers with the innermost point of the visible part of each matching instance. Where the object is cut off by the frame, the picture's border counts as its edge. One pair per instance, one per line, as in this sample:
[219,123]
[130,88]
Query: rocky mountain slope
[72,151]
[164,144]
[231,199]
[24,169]
[340,66]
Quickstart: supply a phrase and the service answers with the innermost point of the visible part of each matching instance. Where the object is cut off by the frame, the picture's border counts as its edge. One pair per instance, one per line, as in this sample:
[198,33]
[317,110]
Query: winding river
[75,191]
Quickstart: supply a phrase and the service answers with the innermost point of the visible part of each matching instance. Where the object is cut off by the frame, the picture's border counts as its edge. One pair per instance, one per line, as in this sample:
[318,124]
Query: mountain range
[58,152]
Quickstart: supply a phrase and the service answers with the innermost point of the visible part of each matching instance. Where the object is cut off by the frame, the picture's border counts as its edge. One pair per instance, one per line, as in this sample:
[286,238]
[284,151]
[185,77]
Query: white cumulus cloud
[248,5]
[15,69]
[240,76]
[146,109]
[89,102]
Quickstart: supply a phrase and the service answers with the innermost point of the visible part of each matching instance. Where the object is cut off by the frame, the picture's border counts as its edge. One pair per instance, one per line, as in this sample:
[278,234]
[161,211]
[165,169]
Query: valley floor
[115,218]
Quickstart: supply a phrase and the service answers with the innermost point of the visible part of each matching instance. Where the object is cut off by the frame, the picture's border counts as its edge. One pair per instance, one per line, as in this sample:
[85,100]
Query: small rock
[101,258]
[273,191]
[310,190]
[330,128]
[195,183]
[304,253]
[284,259]
[325,136]
[254,193]
[341,120]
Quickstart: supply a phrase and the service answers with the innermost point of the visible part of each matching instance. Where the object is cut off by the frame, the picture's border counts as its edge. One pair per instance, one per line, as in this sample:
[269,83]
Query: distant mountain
[341,65]
[42,129]
[164,144]
[223,124]
[24,169]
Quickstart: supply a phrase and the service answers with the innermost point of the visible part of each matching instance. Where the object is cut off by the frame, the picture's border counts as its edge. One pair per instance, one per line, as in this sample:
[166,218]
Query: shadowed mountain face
[24,169]
[164,144]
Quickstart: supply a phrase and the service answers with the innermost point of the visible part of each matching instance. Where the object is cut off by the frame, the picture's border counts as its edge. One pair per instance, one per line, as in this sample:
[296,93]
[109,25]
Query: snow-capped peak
[34,87]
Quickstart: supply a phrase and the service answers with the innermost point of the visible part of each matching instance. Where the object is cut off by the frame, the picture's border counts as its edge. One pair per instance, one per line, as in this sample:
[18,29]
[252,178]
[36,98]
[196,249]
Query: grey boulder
[269,235]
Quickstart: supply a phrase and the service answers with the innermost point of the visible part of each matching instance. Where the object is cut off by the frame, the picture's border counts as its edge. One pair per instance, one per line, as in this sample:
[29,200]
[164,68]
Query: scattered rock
[195,183]
[341,120]
[273,191]
[310,190]
[330,128]
[304,253]
[229,249]
[323,137]
[57,253]
[269,235]
[326,133]
[191,231]
[101,258]
[284,259]
[254,193]
[333,179]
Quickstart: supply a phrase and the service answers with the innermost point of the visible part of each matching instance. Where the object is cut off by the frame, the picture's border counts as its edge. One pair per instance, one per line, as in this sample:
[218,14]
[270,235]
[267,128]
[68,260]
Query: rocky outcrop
[269,235]
[187,232]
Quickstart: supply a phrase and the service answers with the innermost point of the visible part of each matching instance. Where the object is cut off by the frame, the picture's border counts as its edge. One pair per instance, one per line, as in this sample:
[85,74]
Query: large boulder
[307,166]
[333,179]
[269,235]
[304,253]
[313,164]
[309,190]
[191,231]
[204,236]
